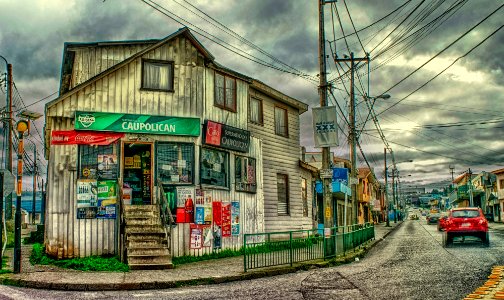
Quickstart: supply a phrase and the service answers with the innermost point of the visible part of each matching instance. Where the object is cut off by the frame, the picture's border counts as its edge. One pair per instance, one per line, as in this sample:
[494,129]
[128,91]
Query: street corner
[493,288]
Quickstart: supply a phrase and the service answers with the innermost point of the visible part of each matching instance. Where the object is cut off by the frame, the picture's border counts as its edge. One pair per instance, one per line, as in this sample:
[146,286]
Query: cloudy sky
[455,120]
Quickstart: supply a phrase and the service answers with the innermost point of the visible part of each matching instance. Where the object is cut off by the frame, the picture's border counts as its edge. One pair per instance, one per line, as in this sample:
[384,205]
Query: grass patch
[214,255]
[4,269]
[9,226]
[90,263]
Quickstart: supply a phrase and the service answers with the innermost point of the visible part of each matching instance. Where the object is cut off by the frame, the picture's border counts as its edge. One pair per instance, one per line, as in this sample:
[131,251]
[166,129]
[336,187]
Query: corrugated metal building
[135,116]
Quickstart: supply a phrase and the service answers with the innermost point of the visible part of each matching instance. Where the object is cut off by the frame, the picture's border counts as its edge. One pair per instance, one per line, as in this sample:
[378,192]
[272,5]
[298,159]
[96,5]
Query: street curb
[168,284]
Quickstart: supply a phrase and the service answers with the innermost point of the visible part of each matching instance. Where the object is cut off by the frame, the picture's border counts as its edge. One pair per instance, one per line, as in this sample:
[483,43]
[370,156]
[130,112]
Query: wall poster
[87,193]
[235,218]
[107,199]
[208,208]
[107,166]
[226,219]
[217,224]
[196,241]
[199,212]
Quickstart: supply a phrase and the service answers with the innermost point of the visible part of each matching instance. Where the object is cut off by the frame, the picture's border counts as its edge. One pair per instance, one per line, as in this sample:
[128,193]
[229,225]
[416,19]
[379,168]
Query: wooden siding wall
[120,91]
[65,235]
[251,210]
[91,61]
[280,155]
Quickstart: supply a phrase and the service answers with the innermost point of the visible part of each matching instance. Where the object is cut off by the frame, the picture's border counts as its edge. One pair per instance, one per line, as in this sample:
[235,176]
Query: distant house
[138,123]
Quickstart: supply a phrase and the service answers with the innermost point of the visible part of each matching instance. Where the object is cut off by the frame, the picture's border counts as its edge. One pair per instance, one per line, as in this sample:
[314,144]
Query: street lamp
[22,127]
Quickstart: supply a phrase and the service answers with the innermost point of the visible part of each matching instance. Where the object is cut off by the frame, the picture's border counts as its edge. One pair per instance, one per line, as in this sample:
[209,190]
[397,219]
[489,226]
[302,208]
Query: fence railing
[289,247]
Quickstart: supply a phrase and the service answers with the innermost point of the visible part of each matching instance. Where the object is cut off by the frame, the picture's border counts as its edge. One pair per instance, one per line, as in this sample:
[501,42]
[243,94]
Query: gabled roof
[183,31]
[499,171]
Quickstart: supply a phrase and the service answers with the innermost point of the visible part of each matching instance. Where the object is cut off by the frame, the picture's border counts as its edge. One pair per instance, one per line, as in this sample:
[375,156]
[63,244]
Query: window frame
[98,150]
[260,108]
[286,122]
[171,65]
[287,200]
[226,166]
[249,187]
[234,100]
[192,168]
[304,196]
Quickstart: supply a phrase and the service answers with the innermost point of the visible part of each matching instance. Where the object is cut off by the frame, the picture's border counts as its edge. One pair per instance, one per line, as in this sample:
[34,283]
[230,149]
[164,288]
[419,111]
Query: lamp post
[22,128]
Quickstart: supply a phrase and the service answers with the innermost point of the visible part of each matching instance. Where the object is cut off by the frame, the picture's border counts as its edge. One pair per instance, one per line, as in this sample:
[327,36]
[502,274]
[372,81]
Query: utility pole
[327,193]
[386,190]
[34,182]
[394,195]
[353,135]
[469,182]
[8,200]
[22,128]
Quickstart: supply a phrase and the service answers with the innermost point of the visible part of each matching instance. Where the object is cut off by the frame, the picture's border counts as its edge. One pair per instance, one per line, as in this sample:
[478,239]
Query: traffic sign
[326,173]
[9,182]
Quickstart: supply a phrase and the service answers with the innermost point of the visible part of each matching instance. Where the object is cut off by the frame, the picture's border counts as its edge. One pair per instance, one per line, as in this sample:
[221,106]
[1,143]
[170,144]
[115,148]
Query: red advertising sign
[73,137]
[217,213]
[213,133]
[226,219]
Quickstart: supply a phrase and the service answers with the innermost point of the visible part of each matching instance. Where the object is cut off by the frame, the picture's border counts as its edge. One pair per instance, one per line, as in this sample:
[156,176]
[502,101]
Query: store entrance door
[137,173]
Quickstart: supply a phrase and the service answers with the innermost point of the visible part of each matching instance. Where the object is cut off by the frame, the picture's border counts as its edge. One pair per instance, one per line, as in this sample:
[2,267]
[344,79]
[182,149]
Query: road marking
[492,288]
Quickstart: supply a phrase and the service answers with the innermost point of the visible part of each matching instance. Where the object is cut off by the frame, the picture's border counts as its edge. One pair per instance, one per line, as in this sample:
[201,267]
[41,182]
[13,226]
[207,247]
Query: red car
[442,222]
[466,221]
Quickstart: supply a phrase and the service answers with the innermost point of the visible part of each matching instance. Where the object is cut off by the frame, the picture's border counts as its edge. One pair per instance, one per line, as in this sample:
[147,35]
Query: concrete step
[140,238]
[135,214]
[148,251]
[141,208]
[148,259]
[162,266]
[143,221]
[144,229]
[134,242]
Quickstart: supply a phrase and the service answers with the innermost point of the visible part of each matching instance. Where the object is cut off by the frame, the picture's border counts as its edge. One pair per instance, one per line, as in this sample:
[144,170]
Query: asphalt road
[409,264]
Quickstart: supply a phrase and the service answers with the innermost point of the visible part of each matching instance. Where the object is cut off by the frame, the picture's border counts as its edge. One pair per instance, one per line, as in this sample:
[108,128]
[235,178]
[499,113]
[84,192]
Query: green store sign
[130,123]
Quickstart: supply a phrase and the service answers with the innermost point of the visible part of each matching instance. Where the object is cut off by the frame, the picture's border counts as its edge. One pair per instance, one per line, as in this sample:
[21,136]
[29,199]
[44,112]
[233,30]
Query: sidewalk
[205,272]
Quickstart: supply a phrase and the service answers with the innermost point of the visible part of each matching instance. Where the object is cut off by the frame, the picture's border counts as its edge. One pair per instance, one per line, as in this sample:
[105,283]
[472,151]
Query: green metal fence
[289,247]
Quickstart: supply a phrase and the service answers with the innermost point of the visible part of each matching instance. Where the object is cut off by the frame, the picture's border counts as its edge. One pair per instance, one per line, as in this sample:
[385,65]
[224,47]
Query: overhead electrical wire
[434,77]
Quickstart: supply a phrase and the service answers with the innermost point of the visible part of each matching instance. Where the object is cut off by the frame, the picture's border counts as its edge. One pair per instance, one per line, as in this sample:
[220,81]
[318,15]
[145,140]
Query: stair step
[142,221]
[139,242]
[141,208]
[151,266]
[148,251]
[144,229]
[150,259]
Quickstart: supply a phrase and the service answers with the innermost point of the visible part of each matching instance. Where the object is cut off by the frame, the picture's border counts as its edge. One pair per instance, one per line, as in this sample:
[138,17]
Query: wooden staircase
[146,239]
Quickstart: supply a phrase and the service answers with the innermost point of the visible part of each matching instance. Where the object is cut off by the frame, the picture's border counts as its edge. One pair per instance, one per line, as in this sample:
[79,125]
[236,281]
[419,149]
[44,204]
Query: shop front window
[214,167]
[98,162]
[245,174]
[175,163]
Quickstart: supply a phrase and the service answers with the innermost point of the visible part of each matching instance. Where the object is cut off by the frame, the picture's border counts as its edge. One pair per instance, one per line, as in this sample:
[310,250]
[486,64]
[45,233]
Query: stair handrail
[165,213]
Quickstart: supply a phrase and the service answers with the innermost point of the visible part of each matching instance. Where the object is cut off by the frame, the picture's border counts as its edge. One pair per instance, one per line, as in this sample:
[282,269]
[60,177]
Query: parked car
[433,218]
[466,221]
[442,222]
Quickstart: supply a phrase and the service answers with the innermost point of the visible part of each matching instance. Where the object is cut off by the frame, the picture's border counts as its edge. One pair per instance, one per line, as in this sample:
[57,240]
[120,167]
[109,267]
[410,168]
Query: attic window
[157,75]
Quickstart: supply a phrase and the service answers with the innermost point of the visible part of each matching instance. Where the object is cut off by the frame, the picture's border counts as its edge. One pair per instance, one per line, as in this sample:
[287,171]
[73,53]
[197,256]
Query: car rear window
[465,214]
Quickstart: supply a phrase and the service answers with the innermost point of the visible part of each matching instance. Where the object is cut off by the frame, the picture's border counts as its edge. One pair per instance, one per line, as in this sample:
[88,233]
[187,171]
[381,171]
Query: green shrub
[90,263]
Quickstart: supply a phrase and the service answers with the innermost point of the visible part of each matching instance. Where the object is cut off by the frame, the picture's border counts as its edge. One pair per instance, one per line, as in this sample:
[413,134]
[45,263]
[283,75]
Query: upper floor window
[157,75]
[225,92]
[281,122]
[501,184]
[256,111]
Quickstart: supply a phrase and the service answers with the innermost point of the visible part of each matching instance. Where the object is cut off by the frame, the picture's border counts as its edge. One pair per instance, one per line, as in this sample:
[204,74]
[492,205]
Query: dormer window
[225,92]
[157,75]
